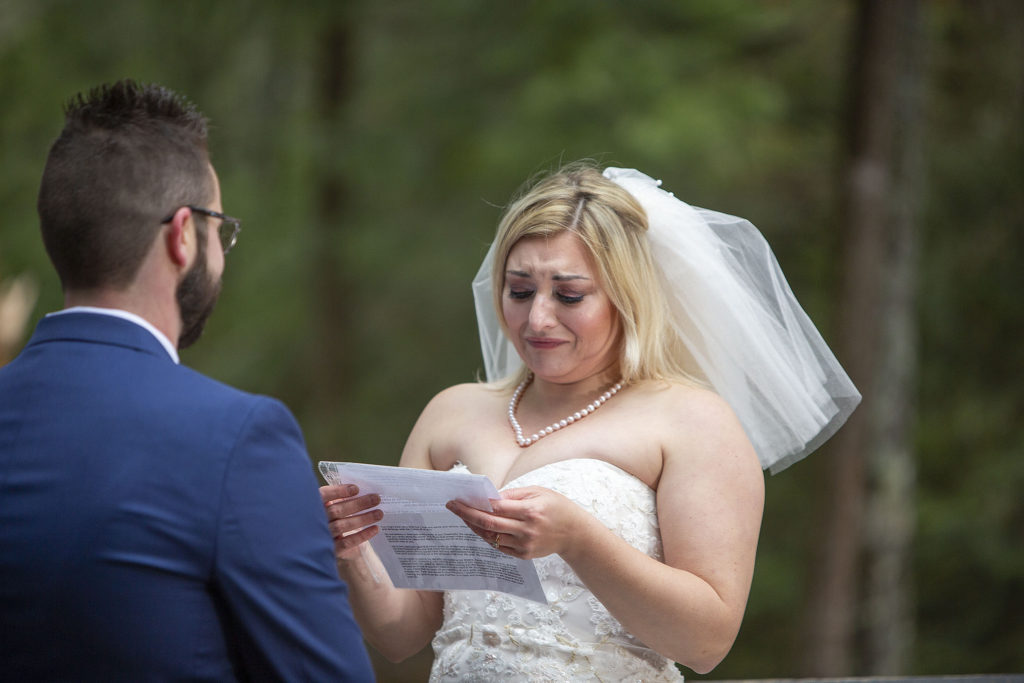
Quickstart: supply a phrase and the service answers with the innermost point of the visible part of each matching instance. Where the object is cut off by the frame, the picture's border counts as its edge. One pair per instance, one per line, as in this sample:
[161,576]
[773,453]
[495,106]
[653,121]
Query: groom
[154,524]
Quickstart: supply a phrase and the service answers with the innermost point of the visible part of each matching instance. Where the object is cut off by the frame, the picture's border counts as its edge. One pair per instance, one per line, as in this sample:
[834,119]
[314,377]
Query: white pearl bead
[555,426]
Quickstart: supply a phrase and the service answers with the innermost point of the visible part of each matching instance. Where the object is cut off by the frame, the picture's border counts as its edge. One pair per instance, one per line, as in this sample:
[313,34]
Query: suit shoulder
[215,388]
[219,397]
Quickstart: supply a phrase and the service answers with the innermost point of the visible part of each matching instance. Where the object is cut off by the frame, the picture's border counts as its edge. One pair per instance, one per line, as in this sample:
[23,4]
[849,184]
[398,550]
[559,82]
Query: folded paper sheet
[422,544]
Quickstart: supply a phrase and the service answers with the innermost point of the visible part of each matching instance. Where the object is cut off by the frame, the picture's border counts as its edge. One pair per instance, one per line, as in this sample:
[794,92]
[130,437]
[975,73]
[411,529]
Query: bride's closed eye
[569,298]
[522,294]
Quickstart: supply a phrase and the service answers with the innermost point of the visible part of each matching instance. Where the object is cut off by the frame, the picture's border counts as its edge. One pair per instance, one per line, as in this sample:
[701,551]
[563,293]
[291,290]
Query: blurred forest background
[369,145]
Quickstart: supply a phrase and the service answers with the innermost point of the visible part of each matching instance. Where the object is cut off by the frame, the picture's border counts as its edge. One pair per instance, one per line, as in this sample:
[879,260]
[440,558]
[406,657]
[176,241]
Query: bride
[646,360]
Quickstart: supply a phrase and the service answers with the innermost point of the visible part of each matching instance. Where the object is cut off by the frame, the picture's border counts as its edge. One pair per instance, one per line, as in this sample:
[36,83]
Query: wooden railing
[979,678]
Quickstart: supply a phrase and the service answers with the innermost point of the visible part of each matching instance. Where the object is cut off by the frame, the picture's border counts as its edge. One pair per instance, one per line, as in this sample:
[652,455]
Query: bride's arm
[397,622]
[710,499]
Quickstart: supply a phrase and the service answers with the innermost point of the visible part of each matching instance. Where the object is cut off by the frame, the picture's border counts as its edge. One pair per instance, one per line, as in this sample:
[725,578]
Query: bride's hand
[350,518]
[527,522]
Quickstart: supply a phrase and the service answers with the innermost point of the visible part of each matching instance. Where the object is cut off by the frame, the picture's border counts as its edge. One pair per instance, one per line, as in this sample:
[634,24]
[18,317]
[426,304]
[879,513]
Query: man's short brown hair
[129,155]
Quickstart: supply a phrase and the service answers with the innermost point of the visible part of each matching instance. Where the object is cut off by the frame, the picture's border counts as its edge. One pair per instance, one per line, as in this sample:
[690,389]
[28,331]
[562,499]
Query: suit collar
[87,326]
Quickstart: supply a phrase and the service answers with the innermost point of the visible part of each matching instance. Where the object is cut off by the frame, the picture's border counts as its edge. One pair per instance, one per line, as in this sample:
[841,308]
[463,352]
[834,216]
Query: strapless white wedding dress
[488,636]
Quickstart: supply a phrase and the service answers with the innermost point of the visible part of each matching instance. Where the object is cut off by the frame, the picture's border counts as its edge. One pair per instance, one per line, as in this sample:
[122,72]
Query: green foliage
[448,106]
[969,563]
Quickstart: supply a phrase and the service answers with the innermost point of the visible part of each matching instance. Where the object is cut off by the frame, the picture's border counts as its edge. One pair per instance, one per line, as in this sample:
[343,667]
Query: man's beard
[197,295]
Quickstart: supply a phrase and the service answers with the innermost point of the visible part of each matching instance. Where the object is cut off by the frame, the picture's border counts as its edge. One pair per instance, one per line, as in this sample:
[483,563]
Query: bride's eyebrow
[557,278]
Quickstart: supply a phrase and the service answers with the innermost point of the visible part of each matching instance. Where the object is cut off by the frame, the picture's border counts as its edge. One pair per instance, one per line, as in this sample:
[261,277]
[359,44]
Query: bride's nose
[542,313]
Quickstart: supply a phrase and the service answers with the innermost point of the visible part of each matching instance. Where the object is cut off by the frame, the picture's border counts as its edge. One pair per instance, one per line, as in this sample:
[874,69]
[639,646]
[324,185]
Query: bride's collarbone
[618,437]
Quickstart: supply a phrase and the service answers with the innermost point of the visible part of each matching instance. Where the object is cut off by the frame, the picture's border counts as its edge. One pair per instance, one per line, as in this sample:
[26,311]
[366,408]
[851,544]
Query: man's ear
[180,238]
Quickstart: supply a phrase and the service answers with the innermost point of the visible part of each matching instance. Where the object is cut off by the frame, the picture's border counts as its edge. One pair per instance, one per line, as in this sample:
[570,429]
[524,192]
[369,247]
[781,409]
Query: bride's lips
[543,342]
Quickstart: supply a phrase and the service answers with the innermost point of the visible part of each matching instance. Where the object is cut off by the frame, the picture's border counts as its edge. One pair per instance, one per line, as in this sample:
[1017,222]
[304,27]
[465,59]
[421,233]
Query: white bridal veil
[734,311]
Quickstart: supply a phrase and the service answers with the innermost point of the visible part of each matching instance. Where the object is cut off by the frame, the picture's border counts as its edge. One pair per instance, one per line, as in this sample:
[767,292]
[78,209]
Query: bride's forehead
[564,250]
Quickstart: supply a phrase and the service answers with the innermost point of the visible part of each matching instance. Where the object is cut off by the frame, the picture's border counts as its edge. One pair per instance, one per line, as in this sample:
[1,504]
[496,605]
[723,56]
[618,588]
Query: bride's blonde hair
[613,227]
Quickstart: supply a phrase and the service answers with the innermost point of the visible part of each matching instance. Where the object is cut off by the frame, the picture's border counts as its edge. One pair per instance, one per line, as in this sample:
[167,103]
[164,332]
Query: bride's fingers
[340,508]
[499,540]
[349,523]
[496,531]
[332,492]
[349,541]
[478,520]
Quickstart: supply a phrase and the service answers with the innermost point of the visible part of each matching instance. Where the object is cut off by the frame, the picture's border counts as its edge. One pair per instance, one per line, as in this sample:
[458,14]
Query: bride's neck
[550,396]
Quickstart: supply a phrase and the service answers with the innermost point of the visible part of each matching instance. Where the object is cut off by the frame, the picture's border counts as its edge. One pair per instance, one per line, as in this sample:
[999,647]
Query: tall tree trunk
[877,239]
[329,283]
[888,622]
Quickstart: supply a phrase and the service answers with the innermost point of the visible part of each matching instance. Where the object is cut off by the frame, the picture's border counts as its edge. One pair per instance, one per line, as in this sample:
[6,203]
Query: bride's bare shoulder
[470,395]
[676,397]
[683,408]
[698,426]
[446,420]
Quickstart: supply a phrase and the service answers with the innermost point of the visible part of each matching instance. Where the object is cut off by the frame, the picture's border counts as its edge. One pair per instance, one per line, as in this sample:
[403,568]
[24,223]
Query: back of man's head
[129,155]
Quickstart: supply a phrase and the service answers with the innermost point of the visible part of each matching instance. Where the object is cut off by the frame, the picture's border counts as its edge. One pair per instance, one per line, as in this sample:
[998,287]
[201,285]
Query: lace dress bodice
[489,636]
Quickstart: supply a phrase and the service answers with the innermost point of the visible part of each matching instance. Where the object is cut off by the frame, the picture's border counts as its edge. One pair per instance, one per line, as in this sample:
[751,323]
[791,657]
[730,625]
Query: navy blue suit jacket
[158,525]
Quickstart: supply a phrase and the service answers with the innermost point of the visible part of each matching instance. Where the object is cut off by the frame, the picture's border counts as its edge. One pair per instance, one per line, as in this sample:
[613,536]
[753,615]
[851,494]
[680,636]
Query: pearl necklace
[554,426]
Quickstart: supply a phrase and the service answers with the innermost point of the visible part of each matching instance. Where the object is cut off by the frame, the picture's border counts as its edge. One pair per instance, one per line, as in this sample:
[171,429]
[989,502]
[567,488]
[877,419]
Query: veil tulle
[732,308]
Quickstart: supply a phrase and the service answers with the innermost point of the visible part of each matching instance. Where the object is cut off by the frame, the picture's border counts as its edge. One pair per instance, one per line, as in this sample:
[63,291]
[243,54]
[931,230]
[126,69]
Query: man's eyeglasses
[227,231]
